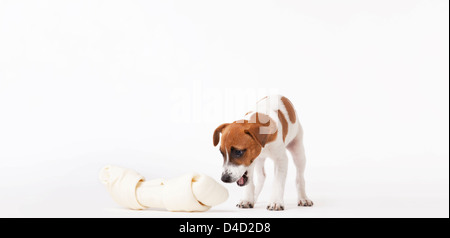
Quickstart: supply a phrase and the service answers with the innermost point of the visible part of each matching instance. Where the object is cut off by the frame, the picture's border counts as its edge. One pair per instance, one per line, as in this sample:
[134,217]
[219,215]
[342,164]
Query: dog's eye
[235,153]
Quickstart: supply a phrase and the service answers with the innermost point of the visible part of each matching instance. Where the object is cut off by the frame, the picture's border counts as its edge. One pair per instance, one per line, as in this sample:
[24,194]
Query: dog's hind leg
[297,151]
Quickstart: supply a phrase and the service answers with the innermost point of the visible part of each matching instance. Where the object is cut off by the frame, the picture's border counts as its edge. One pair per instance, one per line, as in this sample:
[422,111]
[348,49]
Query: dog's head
[241,143]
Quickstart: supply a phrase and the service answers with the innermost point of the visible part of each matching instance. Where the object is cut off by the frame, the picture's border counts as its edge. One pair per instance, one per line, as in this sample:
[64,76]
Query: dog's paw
[245,204]
[274,206]
[305,203]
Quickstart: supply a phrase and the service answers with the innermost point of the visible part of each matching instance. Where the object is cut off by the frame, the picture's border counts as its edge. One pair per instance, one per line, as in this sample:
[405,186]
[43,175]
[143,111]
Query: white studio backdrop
[143,84]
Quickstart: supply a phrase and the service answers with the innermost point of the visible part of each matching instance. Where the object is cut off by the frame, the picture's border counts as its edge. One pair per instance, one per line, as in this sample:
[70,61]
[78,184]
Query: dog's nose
[226,178]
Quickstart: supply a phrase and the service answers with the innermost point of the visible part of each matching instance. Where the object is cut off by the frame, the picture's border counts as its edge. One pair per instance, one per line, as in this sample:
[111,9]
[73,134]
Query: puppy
[270,129]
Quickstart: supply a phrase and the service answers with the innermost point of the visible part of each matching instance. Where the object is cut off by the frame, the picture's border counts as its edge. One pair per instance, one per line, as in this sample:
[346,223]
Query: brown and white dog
[270,129]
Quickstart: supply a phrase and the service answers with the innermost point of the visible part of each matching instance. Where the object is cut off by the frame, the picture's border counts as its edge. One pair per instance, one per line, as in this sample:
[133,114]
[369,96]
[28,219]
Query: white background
[143,84]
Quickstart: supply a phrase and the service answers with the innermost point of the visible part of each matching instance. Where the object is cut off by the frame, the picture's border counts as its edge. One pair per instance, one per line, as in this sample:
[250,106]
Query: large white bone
[190,192]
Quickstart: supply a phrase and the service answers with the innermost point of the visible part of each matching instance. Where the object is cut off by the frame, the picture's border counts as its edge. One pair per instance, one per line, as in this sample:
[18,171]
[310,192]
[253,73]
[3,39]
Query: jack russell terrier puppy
[270,129]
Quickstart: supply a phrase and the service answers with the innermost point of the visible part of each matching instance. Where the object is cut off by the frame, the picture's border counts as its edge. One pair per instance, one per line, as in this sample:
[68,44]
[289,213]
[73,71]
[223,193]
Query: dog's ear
[262,130]
[216,136]
[256,134]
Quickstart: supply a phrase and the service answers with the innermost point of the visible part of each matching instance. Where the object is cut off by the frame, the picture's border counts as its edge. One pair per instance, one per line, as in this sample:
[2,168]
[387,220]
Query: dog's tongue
[241,181]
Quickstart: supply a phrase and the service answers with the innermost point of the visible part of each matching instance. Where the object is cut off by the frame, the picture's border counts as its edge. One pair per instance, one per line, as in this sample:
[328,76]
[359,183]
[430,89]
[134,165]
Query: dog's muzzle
[242,181]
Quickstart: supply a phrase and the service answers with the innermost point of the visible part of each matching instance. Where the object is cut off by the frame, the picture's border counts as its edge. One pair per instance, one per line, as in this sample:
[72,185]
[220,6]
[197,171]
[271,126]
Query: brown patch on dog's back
[289,108]
[284,124]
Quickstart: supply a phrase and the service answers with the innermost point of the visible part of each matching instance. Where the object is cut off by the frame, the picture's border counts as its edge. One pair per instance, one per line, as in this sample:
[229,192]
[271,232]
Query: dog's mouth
[243,180]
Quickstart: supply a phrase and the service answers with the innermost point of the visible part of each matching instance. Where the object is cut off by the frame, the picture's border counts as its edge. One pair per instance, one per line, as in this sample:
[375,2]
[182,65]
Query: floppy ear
[262,129]
[257,135]
[216,136]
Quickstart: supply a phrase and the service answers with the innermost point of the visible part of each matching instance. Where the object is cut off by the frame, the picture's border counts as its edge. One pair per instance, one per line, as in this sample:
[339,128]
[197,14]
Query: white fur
[235,171]
[276,150]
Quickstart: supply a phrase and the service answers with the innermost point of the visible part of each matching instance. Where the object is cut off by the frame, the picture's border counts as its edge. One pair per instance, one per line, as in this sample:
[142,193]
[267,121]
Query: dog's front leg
[280,167]
[248,198]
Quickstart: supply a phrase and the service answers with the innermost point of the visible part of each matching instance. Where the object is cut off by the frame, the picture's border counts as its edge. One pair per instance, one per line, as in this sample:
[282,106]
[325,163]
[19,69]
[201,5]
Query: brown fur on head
[249,136]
